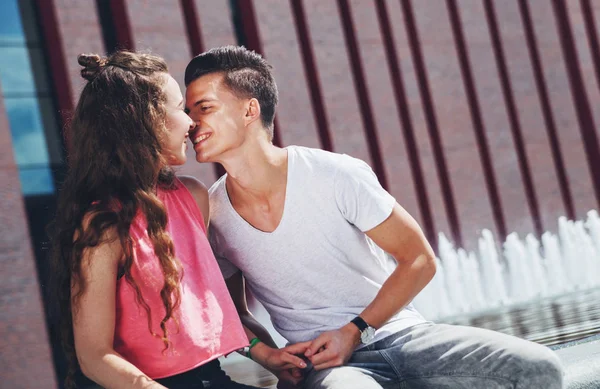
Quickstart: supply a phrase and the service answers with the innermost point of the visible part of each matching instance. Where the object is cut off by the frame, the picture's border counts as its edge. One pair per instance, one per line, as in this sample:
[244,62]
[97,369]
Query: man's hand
[333,348]
[284,362]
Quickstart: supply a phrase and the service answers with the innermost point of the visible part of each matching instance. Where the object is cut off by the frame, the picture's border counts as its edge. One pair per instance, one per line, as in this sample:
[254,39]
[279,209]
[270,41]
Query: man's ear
[252,111]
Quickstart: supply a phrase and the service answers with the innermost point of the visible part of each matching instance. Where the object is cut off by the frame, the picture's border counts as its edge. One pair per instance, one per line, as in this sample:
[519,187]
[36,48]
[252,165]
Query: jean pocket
[376,363]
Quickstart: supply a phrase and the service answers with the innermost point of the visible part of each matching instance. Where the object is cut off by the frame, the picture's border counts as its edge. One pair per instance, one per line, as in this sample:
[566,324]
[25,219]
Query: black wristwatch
[367,333]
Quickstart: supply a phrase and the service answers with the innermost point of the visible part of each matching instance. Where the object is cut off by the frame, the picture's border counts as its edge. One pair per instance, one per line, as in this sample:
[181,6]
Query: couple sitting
[148,304]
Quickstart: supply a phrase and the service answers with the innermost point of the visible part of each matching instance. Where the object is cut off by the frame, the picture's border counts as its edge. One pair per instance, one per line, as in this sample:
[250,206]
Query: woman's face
[177,122]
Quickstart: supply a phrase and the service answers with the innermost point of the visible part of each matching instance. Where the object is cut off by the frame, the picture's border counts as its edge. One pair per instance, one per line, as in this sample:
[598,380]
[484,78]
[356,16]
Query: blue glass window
[11,29]
[24,87]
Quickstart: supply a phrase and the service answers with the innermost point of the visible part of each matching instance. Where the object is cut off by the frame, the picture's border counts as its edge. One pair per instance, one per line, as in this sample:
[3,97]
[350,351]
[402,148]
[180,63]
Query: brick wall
[25,358]
[451,106]
[159,26]
[80,31]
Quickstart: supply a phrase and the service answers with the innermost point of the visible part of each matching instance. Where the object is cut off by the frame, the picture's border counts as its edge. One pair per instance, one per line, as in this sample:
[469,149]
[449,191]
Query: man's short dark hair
[246,74]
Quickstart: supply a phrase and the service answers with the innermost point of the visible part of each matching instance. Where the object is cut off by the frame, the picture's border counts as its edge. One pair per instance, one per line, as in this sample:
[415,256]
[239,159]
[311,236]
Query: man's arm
[400,236]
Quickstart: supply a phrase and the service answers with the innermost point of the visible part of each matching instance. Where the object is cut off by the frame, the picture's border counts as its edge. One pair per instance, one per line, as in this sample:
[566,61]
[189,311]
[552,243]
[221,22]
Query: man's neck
[256,173]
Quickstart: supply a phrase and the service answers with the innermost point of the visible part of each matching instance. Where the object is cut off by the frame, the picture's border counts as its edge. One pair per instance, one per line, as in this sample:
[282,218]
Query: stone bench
[250,373]
[581,361]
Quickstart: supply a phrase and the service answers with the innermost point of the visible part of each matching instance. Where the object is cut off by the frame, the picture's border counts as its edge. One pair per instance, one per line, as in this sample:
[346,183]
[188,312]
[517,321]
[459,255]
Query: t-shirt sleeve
[227,268]
[359,195]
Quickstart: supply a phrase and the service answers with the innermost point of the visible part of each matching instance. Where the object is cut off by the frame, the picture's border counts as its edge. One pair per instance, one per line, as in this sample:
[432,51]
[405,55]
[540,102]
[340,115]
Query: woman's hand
[284,362]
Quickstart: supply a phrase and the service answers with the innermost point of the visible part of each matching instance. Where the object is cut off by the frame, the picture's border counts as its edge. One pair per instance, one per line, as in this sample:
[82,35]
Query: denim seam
[448,374]
[390,362]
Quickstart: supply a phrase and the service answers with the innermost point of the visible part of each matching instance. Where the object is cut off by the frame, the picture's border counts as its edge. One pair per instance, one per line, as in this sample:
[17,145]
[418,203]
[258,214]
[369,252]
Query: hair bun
[92,63]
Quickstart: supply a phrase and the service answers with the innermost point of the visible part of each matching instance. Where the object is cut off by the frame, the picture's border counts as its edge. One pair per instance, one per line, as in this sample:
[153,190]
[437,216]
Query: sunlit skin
[230,131]
[224,121]
[94,320]
[178,124]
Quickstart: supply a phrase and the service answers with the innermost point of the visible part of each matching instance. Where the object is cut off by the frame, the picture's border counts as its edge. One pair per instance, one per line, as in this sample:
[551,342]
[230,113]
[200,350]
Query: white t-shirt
[318,269]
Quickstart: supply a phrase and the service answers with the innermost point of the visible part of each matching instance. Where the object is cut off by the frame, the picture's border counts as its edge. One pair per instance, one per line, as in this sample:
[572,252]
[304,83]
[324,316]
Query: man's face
[219,117]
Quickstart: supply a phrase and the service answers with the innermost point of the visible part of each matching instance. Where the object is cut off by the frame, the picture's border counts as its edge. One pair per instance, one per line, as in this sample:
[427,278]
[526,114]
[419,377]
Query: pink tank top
[209,326]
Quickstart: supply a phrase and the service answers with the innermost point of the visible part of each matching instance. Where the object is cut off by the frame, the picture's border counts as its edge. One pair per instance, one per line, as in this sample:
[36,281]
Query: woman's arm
[94,320]
[284,363]
[200,193]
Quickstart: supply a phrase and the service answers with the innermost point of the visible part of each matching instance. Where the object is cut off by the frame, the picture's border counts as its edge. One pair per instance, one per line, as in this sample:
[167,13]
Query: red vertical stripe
[121,23]
[542,90]
[53,48]
[582,105]
[405,119]
[513,117]
[310,68]
[192,26]
[590,27]
[476,117]
[432,126]
[362,92]
[194,33]
[250,30]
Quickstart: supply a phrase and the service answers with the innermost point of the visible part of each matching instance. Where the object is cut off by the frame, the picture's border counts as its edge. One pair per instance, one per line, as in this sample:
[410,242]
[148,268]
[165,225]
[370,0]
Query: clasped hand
[333,348]
[330,349]
[284,362]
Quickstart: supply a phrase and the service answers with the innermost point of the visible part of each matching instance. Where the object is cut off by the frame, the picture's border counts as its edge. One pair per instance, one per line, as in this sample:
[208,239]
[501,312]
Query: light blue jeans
[445,356]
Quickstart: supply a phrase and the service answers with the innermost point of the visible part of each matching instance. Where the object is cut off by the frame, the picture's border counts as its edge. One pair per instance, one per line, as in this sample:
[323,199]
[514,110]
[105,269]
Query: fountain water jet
[524,271]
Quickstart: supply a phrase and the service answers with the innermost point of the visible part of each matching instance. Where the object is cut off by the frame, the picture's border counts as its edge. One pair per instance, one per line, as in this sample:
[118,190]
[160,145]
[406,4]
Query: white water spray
[525,270]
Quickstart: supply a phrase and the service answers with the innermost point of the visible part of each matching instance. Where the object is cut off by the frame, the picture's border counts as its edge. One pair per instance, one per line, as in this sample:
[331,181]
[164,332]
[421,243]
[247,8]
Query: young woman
[143,301]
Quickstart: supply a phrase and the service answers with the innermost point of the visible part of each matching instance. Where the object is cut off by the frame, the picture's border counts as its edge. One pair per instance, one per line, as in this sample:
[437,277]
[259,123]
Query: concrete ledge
[248,372]
[581,360]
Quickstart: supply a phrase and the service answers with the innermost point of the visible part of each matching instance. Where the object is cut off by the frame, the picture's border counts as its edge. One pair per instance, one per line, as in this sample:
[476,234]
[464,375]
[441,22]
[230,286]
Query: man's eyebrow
[204,100]
[201,101]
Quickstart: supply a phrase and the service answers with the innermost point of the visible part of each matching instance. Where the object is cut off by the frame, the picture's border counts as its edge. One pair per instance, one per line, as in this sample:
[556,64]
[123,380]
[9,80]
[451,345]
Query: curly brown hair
[114,158]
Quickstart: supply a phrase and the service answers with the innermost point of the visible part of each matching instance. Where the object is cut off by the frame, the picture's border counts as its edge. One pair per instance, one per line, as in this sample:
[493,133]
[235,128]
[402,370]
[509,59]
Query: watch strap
[360,323]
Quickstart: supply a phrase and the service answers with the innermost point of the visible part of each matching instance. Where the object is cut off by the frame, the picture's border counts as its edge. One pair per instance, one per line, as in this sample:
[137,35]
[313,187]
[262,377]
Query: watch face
[367,335]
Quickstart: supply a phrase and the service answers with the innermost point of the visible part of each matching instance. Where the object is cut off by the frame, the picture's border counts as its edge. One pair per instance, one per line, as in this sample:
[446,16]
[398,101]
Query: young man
[309,231]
